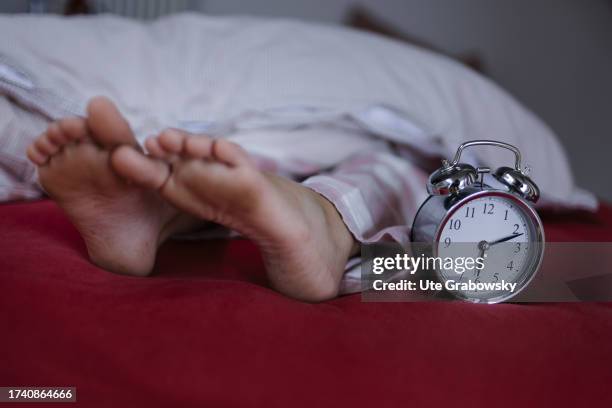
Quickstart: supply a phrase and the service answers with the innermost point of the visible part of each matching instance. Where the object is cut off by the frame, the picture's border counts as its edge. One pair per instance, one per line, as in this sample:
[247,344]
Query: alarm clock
[464,217]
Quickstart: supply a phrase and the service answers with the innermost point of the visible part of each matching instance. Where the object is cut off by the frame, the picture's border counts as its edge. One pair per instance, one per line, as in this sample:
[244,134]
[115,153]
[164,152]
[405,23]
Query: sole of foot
[122,224]
[304,243]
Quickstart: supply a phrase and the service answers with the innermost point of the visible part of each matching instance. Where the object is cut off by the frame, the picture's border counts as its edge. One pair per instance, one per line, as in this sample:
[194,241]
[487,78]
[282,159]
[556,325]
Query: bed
[205,330]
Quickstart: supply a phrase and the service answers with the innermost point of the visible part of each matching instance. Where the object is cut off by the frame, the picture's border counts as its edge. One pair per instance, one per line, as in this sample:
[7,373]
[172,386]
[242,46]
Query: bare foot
[122,224]
[304,242]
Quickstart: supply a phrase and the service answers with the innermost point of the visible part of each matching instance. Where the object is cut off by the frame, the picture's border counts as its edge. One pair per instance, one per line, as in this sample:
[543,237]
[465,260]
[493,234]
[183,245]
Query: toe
[36,156]
[45,146]
[198,147]
[72,129]
[172,141]
[142,170]
[230,153]
[56,135]
[154,148]
[108,127]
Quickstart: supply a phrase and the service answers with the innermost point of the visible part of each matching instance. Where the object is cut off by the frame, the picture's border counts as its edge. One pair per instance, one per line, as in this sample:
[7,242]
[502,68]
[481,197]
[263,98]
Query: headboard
[138,9]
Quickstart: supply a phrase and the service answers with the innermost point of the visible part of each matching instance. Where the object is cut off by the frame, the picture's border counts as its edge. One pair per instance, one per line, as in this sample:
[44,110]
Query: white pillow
[191,67]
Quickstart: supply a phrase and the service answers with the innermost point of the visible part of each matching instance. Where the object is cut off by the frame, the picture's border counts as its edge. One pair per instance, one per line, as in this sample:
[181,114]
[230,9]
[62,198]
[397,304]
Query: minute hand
[504,239]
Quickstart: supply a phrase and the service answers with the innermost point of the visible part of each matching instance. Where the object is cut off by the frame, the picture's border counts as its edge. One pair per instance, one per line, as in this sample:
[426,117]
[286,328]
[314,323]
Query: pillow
[190,67]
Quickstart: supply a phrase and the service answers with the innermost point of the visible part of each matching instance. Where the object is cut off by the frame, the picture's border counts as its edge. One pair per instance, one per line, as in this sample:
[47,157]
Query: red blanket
[206,331]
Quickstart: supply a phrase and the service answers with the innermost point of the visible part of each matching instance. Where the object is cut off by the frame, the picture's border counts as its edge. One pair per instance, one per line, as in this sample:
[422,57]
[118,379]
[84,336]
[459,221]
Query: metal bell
[451,178]
[518,182]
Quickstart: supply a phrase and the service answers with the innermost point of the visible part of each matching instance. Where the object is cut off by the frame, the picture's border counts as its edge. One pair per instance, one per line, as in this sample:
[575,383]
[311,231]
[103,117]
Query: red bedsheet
[205,331]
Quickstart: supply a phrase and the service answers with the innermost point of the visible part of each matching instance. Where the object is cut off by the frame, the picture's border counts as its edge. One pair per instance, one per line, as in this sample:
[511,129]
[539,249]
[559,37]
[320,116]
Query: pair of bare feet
[126,203]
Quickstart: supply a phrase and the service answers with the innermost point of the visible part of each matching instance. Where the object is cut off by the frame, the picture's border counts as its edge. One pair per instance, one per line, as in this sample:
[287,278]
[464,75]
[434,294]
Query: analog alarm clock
[465,218]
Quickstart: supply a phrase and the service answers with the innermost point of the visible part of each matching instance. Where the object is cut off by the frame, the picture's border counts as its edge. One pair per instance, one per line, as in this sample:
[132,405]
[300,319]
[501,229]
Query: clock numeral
[488,208]
[517,249]
[496,276]
[469,212]
[506,216]
[516,228]
[509,266]
[455,224]
[447,242]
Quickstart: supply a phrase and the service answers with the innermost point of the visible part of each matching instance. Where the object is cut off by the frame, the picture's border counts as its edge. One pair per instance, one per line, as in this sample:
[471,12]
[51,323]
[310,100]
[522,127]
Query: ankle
[341,235]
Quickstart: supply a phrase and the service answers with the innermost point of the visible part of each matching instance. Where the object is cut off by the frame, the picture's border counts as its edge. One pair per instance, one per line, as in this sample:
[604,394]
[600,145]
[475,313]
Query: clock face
[500,230]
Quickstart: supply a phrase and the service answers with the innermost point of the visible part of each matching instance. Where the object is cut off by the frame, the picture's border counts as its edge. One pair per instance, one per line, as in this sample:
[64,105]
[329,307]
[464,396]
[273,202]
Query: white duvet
[233,75]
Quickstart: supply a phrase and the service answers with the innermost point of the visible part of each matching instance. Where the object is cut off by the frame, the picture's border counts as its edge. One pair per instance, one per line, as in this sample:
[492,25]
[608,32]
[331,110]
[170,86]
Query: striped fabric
[19,127]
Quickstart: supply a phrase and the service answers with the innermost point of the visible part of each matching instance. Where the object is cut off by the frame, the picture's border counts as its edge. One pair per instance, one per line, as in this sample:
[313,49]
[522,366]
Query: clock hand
[504,239]
[482,246]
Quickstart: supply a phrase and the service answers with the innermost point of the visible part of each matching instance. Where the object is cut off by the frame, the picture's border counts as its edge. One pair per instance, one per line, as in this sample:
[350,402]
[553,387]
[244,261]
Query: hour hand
[504,239]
